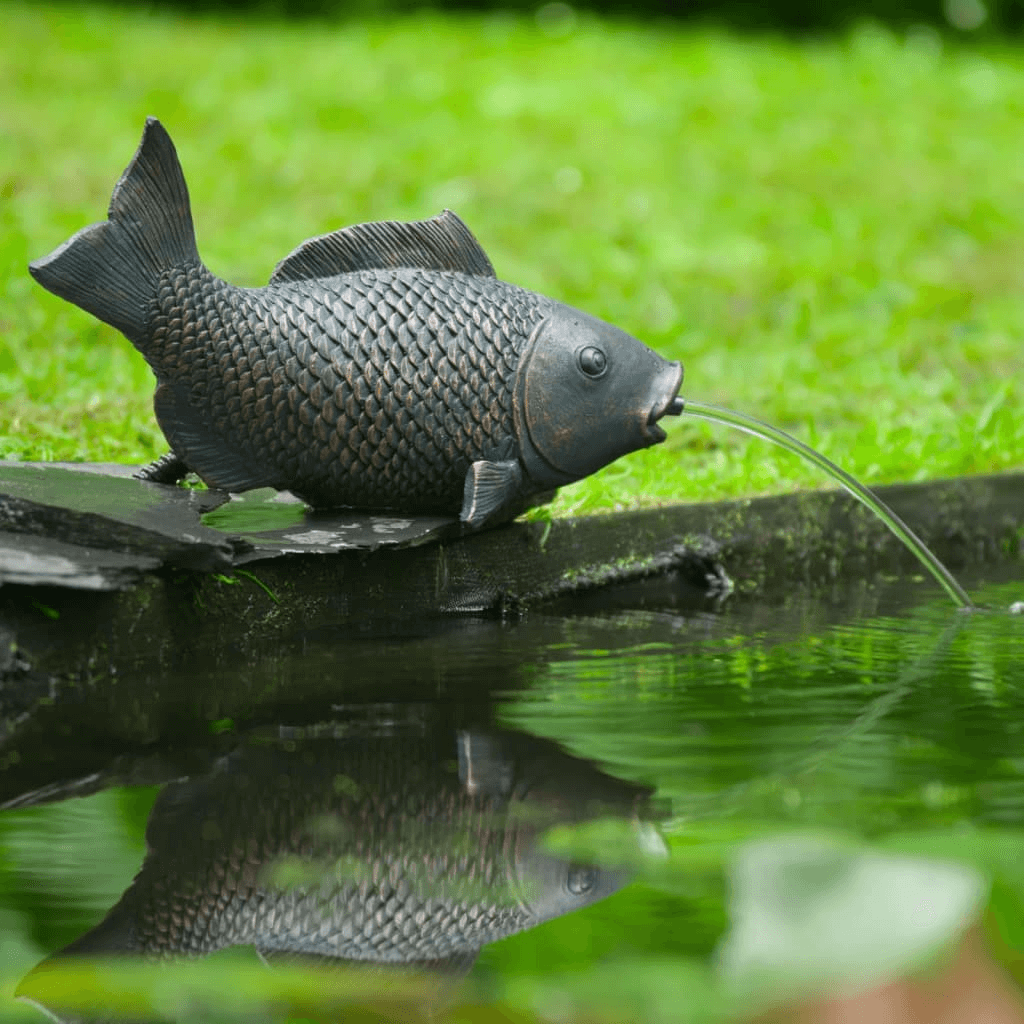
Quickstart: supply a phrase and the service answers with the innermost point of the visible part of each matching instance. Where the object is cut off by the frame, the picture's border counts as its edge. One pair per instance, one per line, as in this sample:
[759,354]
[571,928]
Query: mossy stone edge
[170,612]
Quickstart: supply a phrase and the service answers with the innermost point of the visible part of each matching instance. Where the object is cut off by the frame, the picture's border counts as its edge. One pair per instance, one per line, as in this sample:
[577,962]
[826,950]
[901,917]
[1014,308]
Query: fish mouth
[669,404]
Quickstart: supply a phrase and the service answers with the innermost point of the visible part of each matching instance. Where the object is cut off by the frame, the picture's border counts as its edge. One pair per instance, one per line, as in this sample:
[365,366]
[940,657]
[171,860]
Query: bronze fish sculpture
[399,850]
[383,367]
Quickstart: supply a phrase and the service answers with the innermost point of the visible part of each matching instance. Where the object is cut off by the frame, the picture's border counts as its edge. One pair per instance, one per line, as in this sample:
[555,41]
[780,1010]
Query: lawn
[828,233]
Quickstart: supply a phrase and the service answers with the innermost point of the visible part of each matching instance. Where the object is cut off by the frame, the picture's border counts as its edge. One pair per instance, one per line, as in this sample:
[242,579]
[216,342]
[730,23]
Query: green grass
[829,234]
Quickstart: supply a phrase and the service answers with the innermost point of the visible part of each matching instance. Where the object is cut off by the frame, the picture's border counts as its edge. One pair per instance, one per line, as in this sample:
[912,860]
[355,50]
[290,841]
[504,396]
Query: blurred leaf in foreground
[811,916]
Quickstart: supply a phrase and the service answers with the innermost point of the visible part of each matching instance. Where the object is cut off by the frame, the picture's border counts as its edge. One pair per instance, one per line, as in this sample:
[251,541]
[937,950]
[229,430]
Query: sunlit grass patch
[828,233]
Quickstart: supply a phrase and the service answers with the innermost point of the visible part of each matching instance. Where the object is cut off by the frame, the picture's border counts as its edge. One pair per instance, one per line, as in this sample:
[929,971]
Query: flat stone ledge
[102,572]
[100,514]
[92,510]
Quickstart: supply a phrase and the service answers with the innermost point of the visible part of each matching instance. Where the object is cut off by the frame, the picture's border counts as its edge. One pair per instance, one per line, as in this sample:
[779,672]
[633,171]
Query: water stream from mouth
[766,432]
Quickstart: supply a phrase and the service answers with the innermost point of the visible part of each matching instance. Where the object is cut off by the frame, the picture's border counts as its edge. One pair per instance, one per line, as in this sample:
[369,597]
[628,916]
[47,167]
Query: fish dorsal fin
[441,243]
[454,966]
[297,958]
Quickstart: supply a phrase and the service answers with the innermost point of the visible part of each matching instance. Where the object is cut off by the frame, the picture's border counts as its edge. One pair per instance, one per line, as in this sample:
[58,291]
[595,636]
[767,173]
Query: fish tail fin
[115,934]
[113,269]
[42,987]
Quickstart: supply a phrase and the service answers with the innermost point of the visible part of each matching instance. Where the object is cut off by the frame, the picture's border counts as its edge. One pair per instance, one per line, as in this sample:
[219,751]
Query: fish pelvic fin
[113,269]
[115,935]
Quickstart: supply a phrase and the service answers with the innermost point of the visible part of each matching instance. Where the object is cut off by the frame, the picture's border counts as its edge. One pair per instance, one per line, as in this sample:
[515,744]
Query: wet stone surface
[102,572]
[96,528]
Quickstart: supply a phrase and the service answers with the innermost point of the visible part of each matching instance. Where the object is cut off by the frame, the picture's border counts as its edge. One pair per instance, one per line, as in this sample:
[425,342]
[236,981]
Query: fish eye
[592,361]
[580,880]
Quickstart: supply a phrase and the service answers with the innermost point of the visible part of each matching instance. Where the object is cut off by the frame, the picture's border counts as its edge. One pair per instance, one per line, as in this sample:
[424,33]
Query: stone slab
[109,575]
[108,512]
[98,528]
[42,561]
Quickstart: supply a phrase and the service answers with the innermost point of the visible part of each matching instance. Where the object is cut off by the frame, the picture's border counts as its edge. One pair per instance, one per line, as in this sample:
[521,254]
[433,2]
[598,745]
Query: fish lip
[651,428]
[654,433]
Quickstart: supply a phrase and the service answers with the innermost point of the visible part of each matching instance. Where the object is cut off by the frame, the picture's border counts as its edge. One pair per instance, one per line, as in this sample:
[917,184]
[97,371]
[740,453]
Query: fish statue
[407,850]
[383,367]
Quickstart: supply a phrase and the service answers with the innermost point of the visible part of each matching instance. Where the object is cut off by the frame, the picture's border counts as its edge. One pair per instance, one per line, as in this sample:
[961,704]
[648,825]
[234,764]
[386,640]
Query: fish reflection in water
[404,850]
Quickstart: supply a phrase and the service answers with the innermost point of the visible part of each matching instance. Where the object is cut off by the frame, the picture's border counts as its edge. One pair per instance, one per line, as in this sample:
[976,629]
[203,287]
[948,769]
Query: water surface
[875,714]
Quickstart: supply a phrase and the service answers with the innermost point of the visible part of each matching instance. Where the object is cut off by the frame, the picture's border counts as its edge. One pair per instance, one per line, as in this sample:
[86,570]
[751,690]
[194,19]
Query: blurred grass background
[826,230]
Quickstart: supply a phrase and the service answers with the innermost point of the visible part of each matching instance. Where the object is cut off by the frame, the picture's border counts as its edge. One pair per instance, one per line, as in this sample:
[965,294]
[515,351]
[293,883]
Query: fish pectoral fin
[492,488]
[441,243]
[198,447]
[455,966]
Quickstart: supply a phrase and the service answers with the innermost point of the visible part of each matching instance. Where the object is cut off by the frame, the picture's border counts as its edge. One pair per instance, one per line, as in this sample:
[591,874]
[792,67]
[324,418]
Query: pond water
[773,798]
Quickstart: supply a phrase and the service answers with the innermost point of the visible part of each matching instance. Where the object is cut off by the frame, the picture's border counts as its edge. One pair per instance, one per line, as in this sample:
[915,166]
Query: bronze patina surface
[383,367]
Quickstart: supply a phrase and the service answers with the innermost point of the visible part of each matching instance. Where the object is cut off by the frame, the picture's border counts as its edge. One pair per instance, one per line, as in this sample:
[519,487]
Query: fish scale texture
[361,389]
[421,877]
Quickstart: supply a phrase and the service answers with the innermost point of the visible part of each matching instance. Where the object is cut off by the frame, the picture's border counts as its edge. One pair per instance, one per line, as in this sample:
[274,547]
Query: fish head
[587,393]
[551,886]
[542,787]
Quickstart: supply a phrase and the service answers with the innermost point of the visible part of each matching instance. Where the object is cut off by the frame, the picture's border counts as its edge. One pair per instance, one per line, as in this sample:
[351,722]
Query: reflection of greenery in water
[255,512]
[62,867]
[904,733]
[881,724]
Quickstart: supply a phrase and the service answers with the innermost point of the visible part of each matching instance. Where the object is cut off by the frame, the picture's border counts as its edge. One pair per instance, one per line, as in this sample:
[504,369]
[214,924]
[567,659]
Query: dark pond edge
[761,547]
